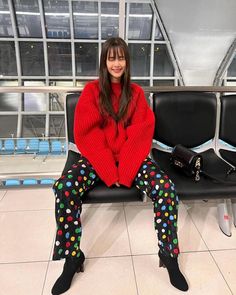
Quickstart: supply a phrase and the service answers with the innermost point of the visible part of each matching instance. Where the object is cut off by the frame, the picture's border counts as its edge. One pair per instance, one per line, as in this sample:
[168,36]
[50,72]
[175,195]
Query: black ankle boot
[71,266]
[176,277]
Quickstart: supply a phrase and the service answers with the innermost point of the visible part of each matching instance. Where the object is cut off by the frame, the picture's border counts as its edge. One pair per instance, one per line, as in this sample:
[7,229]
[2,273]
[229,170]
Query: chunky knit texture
[115,151]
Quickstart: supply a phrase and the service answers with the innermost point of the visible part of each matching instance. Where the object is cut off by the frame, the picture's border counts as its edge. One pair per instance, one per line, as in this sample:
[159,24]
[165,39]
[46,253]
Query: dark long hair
[114,45]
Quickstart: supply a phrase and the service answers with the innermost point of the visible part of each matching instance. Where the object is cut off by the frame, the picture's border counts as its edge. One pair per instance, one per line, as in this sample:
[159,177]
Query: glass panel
[232,68]
[109,19]
[57,100]
[59,59]
[140,59]
[142,82]
[7,59]
[34,102]
[28,18]
[81,83]
[32,58]
[158,34]
[86,59]
[163,83]
[8,101]
[8,126]
[33,125]
[85,17]
[57,18]
[5,20]
[140,21]
[162,63]
[57,126]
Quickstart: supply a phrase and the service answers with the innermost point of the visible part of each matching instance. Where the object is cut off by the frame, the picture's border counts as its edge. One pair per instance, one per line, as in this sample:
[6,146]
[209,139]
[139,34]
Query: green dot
[62,205]
[170,208]
[79,239]
[60,251]
[91,174]
[78,230]
[60,186]
[175,224]
[76,245]
[74,192]
[153,167]
[172,195]
[141,182]
[70,176]
[175,241]
[89,181]
[160,193]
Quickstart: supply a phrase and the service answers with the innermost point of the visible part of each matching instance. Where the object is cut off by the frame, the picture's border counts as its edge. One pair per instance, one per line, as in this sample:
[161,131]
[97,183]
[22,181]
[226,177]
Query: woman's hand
[117,184]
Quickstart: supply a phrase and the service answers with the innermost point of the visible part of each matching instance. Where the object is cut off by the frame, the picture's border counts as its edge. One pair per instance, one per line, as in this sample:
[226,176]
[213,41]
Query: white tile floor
[120,245]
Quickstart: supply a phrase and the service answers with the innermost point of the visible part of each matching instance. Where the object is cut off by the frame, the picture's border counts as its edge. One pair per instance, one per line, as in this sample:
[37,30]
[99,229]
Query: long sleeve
[138,143]
[89,136]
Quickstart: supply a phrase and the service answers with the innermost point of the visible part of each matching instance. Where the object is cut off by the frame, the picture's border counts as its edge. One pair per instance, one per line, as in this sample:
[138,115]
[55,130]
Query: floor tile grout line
[46,273]
[4,194]
[126,223]
[190,216]
[221,273]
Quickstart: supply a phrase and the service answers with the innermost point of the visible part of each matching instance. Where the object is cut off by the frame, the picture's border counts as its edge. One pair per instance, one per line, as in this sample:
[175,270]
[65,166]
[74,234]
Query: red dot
[69,218]
[59,232]
[153,183]
[176,251]
[158,213]
[67,193]
[166,176]
[169,201]
[152,173]
[79,178]
[167,185]
[67,244]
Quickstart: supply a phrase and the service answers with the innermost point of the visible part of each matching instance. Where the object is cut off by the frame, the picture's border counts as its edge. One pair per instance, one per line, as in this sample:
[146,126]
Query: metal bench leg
[233,201]
[223,218]
[144,197]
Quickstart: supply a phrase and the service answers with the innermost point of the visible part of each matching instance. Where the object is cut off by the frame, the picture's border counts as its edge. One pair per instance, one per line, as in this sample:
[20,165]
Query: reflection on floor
[120,246]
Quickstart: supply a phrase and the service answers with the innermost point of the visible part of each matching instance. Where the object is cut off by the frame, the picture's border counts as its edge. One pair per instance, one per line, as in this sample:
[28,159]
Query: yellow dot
[161,181]
[164,236]
[166,194]
[85,178]
[73,253]
[166,214]
[61,219]
[172,203]
[72,202]
[146,176]
[175,216]
[80,190]
[72,238]
[56,184]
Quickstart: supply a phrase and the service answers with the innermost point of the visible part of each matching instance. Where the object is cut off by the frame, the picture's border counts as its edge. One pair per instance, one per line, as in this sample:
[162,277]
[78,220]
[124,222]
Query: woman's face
[116,64]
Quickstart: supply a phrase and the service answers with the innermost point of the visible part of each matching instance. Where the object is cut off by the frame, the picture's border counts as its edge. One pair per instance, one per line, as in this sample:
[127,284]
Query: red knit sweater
[116,152]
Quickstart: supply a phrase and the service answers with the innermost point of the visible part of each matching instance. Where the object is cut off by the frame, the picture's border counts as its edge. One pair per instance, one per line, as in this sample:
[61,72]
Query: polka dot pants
[69,189]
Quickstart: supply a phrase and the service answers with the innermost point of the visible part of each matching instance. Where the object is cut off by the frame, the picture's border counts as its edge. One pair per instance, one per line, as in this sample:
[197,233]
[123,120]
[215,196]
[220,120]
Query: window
[32,58]
[85,17]
[59,59]
[86,57]
[109,19]
[33,125]
[162,63]
[28,18]
[140,21]
[7,59]
[140,59]
[57,18]
[5,20]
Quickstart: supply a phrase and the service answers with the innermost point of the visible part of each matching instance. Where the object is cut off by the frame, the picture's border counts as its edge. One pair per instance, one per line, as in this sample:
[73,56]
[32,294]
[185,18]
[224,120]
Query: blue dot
[153,192]
[163,208]
[82,172]
[67,235]
[164,224]
[68,183]
[158,175]
[93,176]
[171,217]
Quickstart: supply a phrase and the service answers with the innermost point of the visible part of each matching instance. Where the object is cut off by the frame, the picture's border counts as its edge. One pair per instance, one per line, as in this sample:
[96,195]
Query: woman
[113,130]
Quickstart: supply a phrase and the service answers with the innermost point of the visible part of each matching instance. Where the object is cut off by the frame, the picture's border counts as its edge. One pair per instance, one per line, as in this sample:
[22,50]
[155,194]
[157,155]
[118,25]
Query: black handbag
[191,164]
[187,160]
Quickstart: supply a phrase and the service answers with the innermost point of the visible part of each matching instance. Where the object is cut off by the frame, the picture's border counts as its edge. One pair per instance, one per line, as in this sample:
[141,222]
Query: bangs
[116,52]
